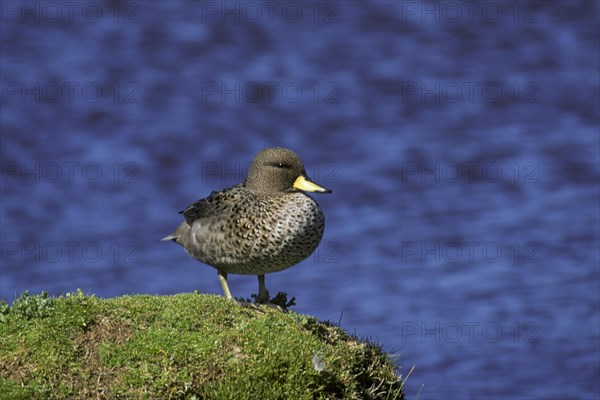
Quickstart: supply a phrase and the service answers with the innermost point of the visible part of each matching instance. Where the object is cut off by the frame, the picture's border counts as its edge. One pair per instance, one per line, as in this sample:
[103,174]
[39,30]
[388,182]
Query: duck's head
[279,170]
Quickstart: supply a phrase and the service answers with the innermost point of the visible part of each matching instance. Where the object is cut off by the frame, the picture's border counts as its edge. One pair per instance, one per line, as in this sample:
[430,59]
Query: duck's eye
[280,165]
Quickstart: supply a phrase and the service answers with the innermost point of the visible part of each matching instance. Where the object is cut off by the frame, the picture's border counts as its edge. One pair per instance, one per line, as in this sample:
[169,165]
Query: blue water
[461,141]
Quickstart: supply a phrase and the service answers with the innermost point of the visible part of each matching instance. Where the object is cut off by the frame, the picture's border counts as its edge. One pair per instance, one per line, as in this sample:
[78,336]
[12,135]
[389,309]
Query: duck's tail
[172,236]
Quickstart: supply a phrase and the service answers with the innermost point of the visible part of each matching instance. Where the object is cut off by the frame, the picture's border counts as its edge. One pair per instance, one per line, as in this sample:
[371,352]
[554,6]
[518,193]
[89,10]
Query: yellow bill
[305,184]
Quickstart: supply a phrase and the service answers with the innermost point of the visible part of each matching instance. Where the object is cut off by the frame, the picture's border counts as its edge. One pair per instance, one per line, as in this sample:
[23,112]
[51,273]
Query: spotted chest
[272,235]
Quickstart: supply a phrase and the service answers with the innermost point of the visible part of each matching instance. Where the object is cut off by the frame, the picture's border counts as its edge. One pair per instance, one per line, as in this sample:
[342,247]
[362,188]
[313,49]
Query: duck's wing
[204,213]
[216,204]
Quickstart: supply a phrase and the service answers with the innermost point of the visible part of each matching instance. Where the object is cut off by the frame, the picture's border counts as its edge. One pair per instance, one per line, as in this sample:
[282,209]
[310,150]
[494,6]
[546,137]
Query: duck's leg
[263,293]
[223,280]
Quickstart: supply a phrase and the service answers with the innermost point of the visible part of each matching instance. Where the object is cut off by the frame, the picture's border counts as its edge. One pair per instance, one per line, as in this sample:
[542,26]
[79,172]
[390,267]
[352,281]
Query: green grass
[186,346]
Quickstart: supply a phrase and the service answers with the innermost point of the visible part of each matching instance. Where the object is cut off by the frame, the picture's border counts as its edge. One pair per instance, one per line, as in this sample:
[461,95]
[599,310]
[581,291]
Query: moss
[186,346]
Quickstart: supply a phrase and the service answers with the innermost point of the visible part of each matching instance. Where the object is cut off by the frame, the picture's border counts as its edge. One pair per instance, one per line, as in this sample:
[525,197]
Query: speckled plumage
[263,225]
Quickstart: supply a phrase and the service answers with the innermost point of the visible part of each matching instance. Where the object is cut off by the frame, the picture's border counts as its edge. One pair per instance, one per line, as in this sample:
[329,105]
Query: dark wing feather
[215,203]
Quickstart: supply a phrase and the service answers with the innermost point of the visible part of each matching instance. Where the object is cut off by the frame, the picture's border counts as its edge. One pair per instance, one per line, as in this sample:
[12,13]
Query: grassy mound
[186,346]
